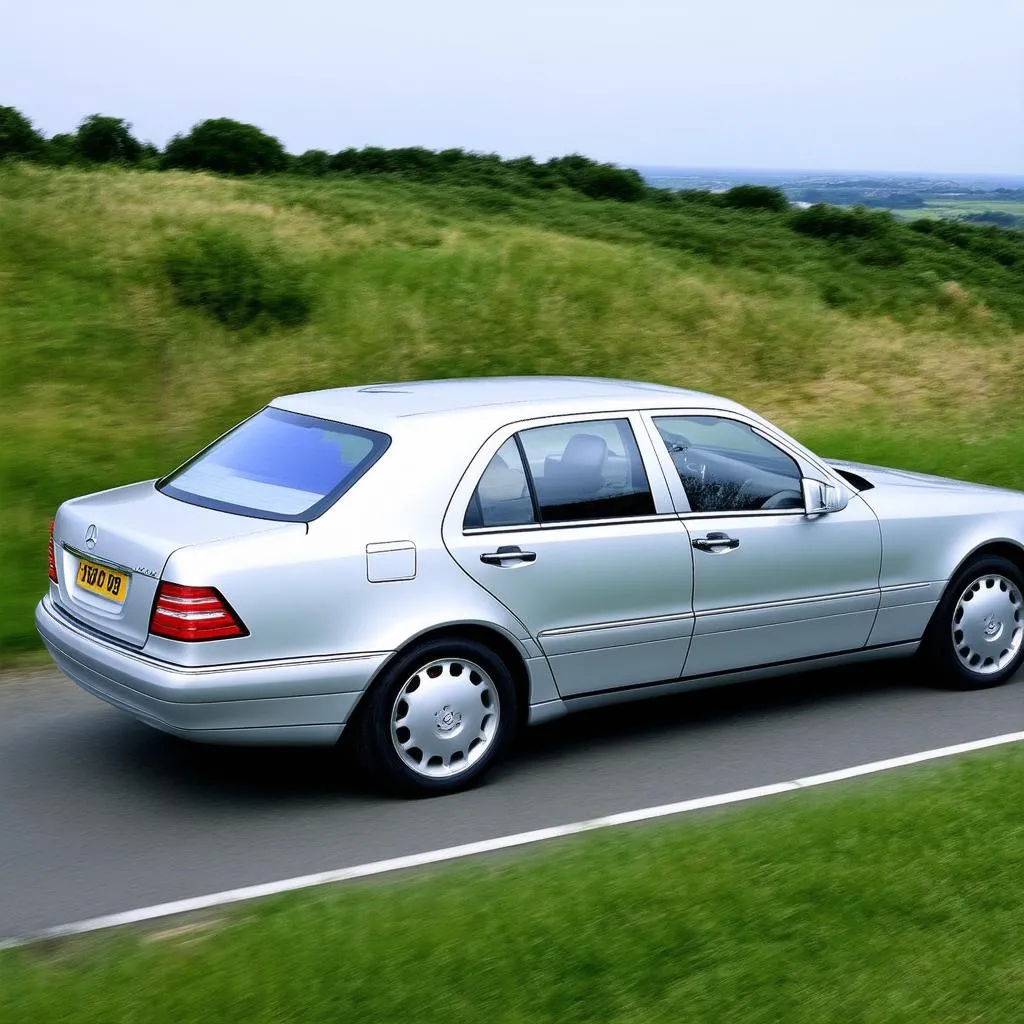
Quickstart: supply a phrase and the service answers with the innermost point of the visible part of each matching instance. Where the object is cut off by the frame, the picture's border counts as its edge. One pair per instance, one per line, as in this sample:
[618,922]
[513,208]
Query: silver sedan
[429,566]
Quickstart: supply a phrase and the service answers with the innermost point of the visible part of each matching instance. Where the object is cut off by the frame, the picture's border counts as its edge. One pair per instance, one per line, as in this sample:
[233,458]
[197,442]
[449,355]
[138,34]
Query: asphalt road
[99,814]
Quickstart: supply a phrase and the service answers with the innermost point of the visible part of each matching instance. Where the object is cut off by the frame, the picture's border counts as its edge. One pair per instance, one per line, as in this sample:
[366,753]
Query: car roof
[493,401]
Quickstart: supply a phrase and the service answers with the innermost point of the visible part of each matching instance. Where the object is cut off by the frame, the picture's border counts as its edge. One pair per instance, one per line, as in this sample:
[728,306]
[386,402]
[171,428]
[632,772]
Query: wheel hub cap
[988,625]
[445,717]
[446,720]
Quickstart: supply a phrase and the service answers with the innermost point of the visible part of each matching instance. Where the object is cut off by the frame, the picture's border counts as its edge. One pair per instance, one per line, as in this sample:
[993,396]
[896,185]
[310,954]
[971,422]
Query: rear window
[277,465]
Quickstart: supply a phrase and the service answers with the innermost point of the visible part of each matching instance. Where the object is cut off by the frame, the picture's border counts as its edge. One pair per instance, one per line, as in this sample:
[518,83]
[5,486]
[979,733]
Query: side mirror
[821,498]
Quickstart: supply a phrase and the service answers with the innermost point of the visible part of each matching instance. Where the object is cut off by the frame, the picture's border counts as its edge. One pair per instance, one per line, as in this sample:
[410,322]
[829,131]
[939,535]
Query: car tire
[976,637]
[436,719]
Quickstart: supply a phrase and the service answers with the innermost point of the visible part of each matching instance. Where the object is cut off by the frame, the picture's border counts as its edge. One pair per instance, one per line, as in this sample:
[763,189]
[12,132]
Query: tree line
[233,147]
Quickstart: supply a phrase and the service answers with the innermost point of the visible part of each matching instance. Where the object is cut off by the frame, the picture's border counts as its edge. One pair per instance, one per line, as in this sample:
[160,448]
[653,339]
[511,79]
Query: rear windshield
[277,465]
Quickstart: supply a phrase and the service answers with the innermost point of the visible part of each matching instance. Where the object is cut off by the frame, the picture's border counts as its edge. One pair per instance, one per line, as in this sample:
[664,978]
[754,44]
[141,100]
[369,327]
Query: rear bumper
[305,701]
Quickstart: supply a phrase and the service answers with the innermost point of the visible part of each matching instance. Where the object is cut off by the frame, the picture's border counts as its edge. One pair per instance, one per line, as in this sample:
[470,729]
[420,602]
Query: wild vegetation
[142,312]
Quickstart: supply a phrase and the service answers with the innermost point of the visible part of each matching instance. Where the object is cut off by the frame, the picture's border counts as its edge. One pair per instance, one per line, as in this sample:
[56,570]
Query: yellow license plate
[100,580]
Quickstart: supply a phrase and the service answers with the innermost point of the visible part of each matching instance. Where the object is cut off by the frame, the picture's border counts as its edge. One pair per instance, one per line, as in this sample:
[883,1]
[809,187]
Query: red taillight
[193,613]
[53,558]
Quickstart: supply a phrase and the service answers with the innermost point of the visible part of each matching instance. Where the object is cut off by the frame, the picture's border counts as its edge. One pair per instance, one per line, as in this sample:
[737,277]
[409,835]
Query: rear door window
[589,470]
[278,465]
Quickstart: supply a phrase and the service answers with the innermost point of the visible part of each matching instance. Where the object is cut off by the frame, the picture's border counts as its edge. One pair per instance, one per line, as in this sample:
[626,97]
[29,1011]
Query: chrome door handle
[716,542]
[508,554]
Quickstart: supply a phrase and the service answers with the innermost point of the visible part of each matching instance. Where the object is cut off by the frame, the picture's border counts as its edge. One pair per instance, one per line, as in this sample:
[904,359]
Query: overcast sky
[929,85]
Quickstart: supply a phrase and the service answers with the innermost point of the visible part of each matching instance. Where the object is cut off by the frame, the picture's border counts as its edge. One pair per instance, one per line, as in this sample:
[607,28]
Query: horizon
[662,85]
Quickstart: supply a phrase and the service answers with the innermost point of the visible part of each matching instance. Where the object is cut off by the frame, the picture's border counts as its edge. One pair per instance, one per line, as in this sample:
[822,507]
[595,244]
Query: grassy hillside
[895,346]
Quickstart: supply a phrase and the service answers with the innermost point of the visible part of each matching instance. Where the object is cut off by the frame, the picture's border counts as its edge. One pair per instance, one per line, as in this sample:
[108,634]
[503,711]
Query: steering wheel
[784,499]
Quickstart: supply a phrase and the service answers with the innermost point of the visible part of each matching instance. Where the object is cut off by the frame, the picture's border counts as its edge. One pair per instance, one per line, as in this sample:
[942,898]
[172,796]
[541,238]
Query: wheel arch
[504,646]
[1012,551]
[1004,548]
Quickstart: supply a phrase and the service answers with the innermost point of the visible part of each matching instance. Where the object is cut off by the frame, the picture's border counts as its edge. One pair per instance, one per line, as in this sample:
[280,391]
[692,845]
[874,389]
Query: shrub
[755,197]
[599,181]
[314,162]
[105,140]
[833,222]
[230,147]
[17,135]
[235,282]
[61,150]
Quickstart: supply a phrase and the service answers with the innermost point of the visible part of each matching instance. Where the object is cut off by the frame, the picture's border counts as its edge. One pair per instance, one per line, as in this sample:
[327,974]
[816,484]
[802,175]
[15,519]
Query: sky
[887,85]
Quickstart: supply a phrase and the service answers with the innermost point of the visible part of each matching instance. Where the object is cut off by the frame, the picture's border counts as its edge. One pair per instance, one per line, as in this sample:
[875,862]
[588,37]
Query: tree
[107,140]
[17,136]
[756,197]
[228,146]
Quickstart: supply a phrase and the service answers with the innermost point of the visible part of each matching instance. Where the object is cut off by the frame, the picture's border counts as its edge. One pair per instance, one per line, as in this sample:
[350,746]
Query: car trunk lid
[111,549]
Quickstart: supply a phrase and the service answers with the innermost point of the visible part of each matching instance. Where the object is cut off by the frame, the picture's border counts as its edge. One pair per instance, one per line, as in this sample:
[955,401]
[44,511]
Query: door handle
[719,543]
[507,555]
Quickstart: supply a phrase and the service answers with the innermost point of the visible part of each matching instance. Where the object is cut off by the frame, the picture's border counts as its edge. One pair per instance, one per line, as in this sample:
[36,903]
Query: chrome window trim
[745,514]
[574,524]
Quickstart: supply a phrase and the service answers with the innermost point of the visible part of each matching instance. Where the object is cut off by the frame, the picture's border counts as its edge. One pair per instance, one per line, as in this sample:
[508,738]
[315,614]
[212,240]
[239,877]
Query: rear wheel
[437,718]
[976,639]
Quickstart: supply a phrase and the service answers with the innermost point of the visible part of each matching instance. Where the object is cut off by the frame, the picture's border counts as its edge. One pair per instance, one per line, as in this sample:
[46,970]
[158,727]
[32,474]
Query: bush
[61,150]
[833,222]
[18,137]
[230,147]
[236,283]
[756,197]
[106,140]
[599,181]
[314,162]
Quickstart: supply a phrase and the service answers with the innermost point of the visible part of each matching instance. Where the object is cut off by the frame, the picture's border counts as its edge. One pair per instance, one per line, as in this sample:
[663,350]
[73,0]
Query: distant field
[961,207]
[904,349]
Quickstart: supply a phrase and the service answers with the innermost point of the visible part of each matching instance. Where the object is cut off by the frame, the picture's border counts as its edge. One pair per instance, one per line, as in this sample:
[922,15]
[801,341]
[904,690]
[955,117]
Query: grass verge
[894,900]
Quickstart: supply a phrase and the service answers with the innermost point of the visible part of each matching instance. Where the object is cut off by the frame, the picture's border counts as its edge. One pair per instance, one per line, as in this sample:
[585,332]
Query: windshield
[277,465]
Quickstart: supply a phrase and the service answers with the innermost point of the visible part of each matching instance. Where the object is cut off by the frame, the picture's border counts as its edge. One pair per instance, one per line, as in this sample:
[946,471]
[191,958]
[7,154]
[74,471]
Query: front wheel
[437,718]
[976,638]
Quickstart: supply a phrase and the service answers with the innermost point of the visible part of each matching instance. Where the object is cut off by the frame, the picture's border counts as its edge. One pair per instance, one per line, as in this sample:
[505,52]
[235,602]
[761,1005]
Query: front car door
[771,583]
[561,522]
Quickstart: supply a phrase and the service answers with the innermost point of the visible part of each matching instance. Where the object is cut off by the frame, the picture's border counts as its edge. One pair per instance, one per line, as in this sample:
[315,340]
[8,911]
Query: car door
[562,523]
[771,583]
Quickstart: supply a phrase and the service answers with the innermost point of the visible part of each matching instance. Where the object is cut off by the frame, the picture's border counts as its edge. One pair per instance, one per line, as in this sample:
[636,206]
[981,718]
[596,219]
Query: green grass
[892,900]
[958,207]
[106,378]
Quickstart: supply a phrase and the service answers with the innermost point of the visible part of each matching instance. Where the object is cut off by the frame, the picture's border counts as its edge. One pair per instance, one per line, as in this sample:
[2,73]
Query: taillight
[53,559]
[193,613]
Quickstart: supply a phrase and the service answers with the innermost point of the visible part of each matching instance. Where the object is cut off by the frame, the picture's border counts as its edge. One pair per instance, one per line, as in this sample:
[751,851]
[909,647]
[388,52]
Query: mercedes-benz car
[427,567]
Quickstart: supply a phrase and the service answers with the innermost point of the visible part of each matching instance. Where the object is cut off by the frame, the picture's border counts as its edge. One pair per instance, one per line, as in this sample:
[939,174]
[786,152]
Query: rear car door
[563,523]
[771,584]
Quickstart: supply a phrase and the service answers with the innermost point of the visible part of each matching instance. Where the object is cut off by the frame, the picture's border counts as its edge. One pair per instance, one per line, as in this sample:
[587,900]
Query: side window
[724,466]
[502,498]
[589,470]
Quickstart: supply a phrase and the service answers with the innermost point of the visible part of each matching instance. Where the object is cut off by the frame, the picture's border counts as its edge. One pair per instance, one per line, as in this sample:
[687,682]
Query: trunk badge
[90,536]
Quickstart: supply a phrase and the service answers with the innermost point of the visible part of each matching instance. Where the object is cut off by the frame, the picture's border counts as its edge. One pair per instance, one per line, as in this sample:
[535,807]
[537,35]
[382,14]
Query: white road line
[416,860]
